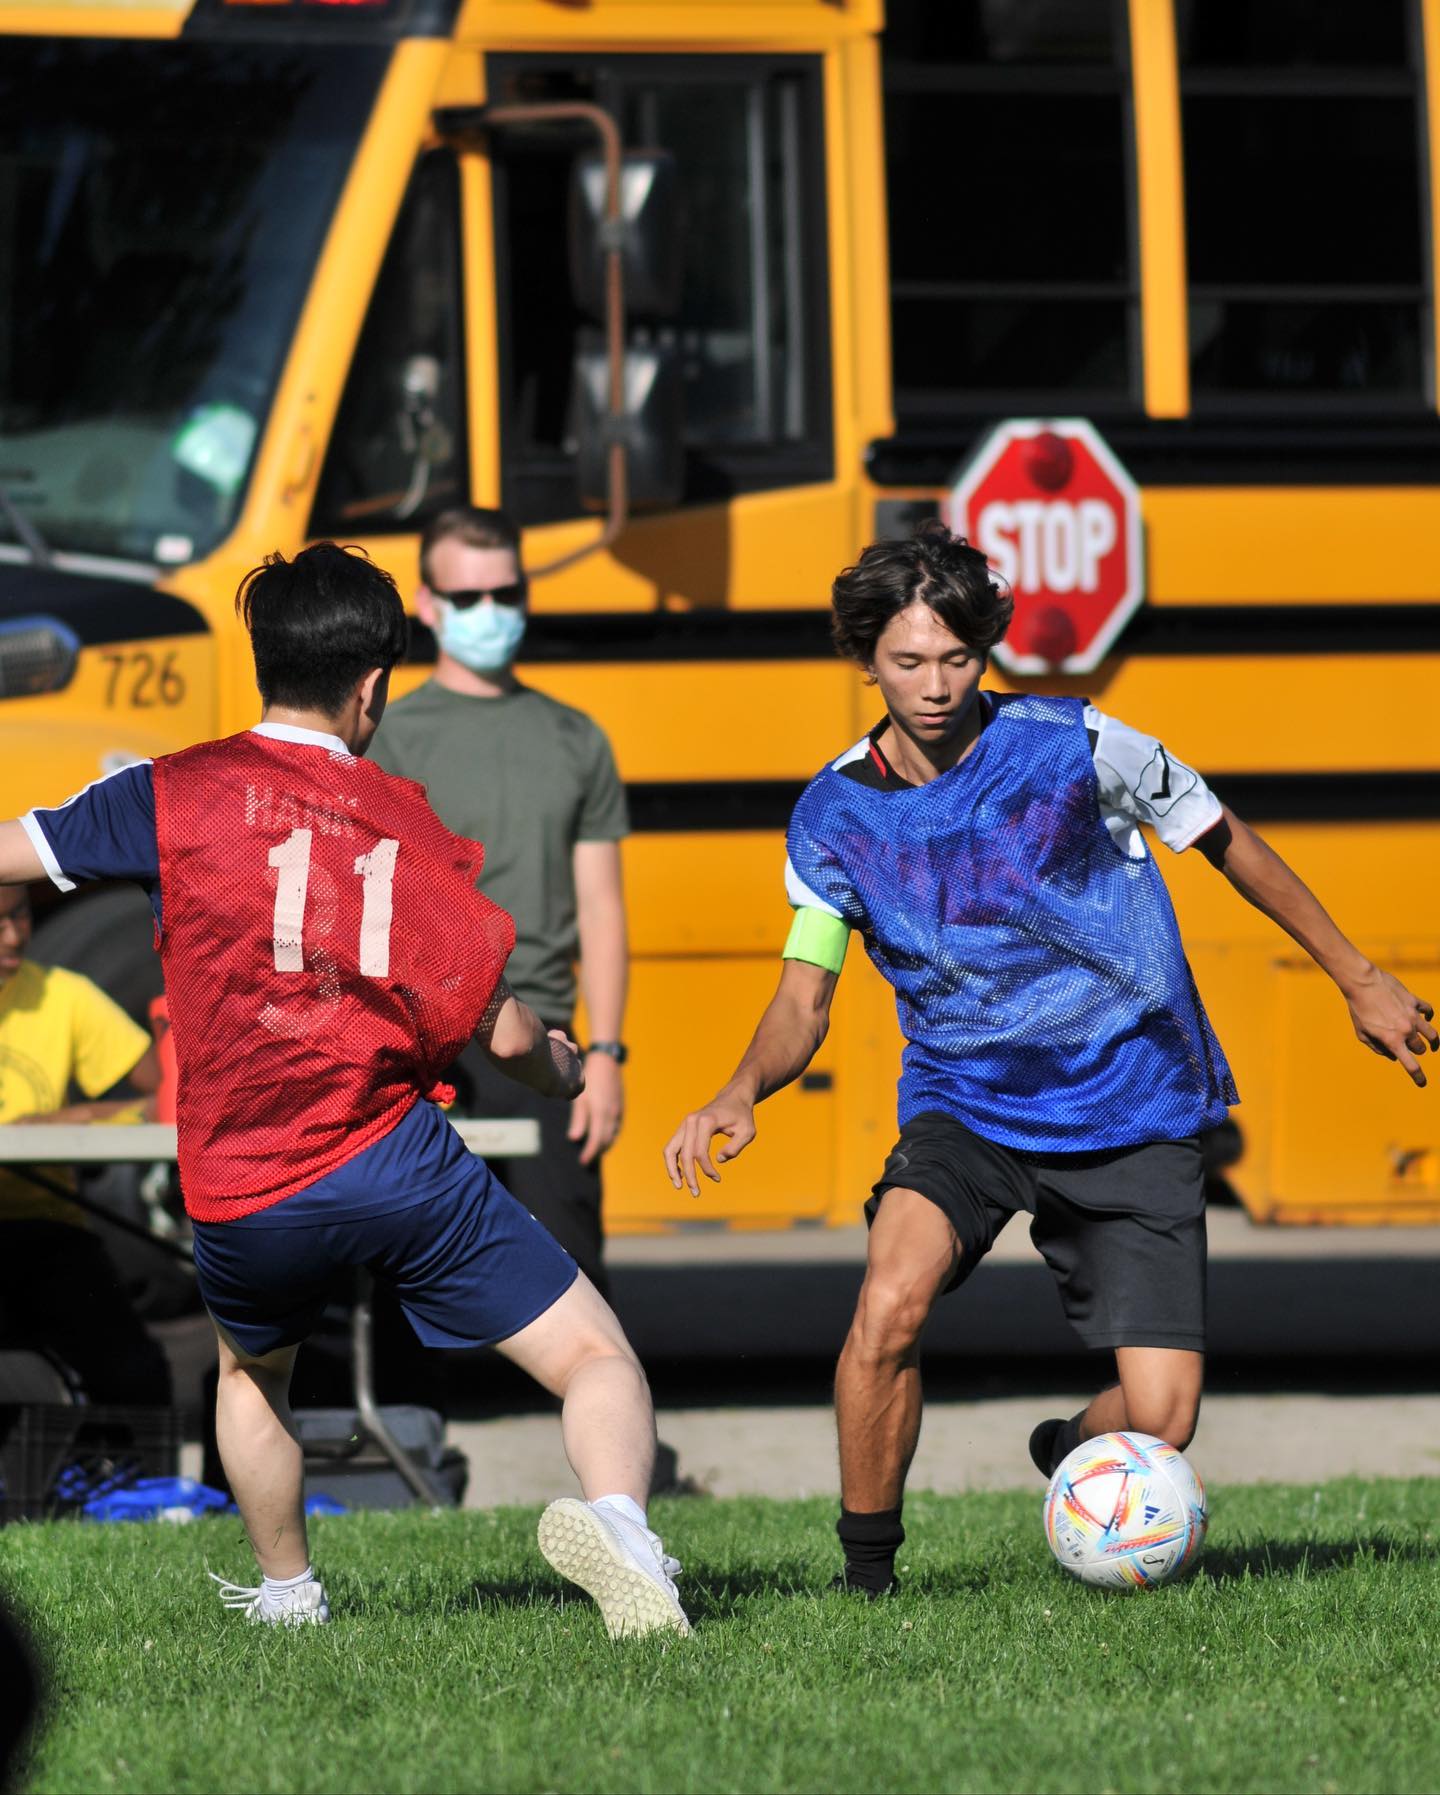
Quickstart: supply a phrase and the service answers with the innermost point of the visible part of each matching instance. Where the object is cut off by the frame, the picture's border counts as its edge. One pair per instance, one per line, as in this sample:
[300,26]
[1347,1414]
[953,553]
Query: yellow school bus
[272,270]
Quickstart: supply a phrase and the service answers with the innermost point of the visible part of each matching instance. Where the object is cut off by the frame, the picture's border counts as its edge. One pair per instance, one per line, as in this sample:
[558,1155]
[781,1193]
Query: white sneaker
[302,1606]
[622,1565]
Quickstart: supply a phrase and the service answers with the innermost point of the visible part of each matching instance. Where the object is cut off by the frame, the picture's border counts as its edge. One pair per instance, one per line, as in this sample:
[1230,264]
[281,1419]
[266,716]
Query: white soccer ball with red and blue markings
[1126,1511]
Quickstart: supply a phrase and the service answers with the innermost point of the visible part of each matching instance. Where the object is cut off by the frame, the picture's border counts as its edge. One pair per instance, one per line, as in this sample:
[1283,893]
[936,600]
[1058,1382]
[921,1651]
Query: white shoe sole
[577,1543]
[292,1617]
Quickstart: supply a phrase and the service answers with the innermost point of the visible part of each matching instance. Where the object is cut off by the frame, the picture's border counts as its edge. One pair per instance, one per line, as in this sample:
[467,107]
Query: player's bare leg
[912,1256]
[913,1253]
[264,1463]
[1158,1393]
[262,1456]
[578,1351]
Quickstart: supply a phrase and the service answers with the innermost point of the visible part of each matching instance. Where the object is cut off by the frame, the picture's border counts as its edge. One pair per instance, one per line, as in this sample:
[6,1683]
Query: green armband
[819,939]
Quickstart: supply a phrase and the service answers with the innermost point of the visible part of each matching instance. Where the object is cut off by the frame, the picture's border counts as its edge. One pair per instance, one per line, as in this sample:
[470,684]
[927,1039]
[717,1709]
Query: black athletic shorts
[1123,1230]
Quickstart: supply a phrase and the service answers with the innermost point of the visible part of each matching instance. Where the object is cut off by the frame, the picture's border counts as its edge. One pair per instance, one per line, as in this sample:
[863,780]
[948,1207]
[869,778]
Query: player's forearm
[548,1066]
[1263,879]
[789,1036]
[516,1043]
[522,1050]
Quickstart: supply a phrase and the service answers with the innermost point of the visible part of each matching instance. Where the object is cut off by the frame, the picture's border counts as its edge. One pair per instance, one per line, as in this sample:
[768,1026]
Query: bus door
[718,691]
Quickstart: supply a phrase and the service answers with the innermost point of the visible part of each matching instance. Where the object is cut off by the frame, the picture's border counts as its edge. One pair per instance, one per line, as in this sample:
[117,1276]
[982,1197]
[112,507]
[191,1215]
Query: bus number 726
[141,680]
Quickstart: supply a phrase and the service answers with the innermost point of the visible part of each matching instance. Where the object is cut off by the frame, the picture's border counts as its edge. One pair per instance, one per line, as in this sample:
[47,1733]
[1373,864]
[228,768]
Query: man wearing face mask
[535,781]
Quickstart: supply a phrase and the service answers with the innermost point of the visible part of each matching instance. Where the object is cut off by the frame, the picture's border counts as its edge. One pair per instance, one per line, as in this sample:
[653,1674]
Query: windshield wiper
[40,551]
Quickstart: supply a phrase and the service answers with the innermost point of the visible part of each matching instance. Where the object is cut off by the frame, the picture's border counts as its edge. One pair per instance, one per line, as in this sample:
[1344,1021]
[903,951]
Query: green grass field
[1302,1657]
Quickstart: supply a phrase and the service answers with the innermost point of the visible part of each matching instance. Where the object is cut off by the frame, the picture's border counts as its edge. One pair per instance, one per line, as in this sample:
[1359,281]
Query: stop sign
[1058,518]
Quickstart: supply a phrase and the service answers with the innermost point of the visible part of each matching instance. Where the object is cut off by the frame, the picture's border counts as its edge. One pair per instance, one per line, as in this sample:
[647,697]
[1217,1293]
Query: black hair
[319,623]
[932,567]
[478,526]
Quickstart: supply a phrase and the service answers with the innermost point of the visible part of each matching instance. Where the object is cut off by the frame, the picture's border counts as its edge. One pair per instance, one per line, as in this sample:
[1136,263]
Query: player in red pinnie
[326,955]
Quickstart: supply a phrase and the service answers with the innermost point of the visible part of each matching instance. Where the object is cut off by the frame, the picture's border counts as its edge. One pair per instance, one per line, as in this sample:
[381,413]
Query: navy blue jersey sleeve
[105,832]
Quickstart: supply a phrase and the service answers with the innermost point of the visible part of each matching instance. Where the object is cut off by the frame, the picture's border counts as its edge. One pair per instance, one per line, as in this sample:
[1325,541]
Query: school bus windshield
[161,209]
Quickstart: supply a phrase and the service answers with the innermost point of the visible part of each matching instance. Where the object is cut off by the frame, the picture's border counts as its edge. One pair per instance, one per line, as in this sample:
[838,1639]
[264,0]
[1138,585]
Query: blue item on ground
[157,1498]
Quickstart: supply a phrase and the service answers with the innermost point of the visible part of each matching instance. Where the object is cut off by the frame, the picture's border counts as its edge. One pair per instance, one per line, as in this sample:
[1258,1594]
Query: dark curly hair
[932,567]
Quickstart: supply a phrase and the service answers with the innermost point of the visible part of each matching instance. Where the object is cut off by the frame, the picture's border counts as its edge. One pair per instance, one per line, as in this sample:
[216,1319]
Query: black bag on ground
[344,1463]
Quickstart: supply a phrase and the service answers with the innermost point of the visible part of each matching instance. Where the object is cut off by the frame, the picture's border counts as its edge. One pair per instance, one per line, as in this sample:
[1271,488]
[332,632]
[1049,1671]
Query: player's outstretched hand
[689,1146]
[569,1067]
[1392,1021]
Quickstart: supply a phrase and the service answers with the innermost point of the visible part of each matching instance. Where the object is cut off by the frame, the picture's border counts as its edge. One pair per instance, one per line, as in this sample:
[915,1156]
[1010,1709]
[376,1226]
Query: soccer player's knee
[611,1350]
[1171,1416]
[890,1317]
[235,1369]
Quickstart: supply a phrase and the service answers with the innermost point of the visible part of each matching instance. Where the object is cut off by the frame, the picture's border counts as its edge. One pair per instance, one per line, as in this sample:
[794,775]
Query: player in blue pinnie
[988,850]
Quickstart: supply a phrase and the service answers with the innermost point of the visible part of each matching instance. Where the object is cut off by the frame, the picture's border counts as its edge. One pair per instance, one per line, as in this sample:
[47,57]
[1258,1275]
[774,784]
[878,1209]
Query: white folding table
[142,1143]
[28,1149]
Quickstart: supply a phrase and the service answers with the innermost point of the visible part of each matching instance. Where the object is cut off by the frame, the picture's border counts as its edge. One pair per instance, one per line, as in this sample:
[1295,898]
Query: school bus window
[161,207]
[752,328]
[1295,34]
[1009,146]
[1296,121]
[998,32]
[398,451]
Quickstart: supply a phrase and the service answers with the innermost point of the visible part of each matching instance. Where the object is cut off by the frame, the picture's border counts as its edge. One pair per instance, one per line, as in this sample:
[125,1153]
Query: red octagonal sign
[1056,516]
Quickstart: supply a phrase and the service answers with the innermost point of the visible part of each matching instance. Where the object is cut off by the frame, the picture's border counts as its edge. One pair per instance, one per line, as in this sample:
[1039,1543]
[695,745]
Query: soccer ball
[1125,1511]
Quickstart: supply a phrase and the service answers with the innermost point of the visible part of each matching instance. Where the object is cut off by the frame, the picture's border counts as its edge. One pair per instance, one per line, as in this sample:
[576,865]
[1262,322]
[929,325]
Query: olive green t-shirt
[528,777]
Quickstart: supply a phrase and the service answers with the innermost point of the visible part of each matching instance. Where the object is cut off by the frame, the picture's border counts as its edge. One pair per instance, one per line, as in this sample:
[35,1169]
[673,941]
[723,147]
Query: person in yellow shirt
[58,1287]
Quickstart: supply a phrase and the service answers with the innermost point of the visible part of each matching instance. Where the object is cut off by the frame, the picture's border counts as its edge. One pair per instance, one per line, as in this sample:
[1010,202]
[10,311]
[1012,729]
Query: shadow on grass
[717,1595]
[705,1597]
[1291,1558]
[480,1596]
[712,1596]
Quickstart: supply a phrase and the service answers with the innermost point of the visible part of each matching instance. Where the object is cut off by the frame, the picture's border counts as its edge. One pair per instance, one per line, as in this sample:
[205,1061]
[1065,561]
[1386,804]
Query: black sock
[1053,1441]
[1067,1438]
[870,1542]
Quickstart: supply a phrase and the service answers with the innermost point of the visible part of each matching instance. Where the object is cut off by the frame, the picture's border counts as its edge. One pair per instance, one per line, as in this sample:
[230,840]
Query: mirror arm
[465,121]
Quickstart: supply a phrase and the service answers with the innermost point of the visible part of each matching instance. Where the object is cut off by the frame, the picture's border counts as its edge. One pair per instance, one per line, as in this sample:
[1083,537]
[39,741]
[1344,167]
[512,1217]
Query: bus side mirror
[652,428]
[651,256]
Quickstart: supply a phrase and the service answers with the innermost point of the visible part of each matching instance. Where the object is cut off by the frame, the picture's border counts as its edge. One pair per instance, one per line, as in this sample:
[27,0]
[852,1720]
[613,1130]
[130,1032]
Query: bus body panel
[1328,740]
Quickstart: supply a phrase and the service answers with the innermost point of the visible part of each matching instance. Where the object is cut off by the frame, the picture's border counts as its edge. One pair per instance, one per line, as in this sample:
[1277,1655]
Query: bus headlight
[37,654]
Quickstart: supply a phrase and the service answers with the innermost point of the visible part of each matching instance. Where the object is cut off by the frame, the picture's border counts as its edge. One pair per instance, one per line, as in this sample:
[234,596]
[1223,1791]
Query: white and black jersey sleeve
[803,896]
[1142,782]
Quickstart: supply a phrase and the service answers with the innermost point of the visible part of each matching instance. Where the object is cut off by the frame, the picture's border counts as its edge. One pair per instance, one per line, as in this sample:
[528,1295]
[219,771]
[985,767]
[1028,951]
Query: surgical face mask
[482,637]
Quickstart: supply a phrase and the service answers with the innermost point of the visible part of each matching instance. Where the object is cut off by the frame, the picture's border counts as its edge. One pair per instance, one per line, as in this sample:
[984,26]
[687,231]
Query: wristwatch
[615,1050]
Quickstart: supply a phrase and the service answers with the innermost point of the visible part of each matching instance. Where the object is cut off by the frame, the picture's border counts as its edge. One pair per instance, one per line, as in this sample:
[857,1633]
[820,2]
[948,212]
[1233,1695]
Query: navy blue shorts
[418,1210]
